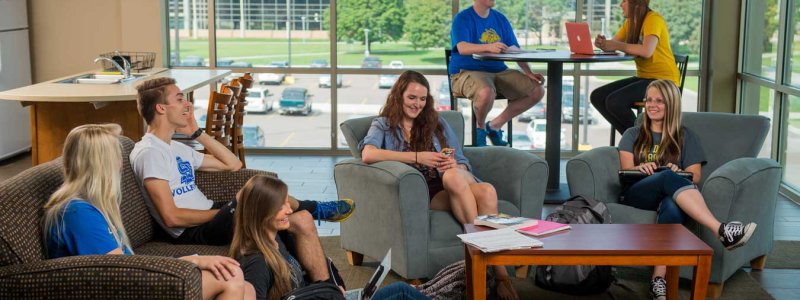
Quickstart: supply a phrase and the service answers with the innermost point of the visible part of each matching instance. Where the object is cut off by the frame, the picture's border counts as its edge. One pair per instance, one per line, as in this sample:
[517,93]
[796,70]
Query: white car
[325,80]
[538,135]
[257,101]
[271,78]
[396,64]
[386,81]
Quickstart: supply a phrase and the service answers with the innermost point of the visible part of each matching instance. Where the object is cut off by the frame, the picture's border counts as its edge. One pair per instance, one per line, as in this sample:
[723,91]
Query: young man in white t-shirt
[166,170]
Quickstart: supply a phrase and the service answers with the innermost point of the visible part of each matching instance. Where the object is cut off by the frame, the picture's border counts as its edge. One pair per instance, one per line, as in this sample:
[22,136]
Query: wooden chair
[234,88]
[683,62]
[454,102]
[237,141]
[216,115]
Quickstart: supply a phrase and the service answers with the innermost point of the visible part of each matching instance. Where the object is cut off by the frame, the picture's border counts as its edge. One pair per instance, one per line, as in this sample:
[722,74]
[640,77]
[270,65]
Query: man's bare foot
[505,290]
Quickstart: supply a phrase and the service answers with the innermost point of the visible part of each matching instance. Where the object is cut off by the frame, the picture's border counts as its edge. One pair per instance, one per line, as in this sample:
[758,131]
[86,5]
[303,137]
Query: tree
[683,21]
[429,25]
[534,13]
[383,18]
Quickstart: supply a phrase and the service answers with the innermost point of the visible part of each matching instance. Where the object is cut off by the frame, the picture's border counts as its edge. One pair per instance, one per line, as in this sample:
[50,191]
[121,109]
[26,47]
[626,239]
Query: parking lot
[360,95]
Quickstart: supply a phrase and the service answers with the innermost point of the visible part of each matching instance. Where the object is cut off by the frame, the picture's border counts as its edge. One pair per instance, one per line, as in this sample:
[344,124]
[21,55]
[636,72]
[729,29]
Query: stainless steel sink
[93,78]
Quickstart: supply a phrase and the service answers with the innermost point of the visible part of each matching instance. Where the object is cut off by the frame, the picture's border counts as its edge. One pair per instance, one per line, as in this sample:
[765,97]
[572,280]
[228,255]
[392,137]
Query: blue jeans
[656,192]
[398,291]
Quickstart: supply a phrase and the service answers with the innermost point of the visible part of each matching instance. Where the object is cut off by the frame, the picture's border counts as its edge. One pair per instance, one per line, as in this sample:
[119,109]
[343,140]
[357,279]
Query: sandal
[505,284]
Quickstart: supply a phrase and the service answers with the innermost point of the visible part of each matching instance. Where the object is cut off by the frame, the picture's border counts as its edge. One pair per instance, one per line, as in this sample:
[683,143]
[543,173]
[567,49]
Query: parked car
[396,64]
[443,97]
[521,141]
[319,63]
[273,78]
[258,101]
[295,100]
[537,134]
[538,111]
[325,80]
[241,64]
[253,136]
[192,61]
[566,109]
[371,62]
[386,81]
[224,62]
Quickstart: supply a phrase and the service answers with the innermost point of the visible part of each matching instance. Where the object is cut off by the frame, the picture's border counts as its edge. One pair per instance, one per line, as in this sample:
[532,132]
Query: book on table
[543,227]
[503,220]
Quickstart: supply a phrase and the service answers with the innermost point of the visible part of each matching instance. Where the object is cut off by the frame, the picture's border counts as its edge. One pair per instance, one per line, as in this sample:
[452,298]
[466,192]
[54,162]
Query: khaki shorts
[510,83]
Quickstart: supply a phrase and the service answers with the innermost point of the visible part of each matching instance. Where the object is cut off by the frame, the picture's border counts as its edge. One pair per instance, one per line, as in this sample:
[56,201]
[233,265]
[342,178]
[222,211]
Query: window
[761,38]
[188,33]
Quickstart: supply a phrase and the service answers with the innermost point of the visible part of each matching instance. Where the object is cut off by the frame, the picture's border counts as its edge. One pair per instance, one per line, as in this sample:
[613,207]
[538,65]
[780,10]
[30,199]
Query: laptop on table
[580,40]
[374,282]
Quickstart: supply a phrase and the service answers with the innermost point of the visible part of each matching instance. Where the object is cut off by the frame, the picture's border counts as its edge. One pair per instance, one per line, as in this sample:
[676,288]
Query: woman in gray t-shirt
[660,147]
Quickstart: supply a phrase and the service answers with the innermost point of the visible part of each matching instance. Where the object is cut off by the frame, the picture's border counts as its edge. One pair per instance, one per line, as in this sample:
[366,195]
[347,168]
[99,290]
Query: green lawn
[263,51]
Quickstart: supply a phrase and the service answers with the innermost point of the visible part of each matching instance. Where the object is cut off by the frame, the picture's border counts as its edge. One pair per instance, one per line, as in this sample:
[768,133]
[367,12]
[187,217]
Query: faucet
[126,71]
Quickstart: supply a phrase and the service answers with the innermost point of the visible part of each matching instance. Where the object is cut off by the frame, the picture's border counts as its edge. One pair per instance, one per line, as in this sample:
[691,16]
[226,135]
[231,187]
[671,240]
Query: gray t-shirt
[692,152]
[175,163]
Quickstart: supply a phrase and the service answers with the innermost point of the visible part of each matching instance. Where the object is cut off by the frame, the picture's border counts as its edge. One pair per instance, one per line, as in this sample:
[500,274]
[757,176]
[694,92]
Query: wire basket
[139,60]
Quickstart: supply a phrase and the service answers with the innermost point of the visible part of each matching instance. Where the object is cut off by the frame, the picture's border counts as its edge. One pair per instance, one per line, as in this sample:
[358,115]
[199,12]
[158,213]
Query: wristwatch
[197,133]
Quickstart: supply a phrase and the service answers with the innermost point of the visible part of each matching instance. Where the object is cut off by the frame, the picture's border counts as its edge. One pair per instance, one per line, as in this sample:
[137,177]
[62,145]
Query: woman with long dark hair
[263,210]
[660,147]
[409,130]
[643,34]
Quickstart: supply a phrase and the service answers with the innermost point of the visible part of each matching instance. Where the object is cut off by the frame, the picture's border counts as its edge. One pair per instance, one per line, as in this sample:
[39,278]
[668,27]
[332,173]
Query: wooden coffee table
[608,244]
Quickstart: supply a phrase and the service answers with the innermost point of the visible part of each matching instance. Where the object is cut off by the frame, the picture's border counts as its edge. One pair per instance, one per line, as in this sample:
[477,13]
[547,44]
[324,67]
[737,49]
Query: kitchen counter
[56,107]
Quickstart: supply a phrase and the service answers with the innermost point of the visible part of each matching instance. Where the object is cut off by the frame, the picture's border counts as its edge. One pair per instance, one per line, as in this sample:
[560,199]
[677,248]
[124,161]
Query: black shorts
[218,231]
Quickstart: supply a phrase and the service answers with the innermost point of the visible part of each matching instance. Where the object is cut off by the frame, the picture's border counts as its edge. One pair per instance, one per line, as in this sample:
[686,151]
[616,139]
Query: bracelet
[196,134]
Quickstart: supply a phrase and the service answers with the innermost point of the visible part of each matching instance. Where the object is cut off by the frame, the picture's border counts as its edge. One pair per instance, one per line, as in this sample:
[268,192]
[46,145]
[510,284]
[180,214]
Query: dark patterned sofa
[151,273]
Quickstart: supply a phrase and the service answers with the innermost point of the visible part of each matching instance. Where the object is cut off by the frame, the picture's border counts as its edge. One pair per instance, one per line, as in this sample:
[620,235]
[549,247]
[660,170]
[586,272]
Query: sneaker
[658,288]
[480,137]
[335,211]
[495,135]
[734,234]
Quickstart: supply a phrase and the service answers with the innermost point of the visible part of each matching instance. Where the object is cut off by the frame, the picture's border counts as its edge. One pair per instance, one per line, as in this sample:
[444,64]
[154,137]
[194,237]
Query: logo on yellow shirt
[489,36]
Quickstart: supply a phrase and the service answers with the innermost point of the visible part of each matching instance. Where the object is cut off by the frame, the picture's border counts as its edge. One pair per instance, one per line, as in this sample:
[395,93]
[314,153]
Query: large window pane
[792,174]
[188,33]
[395,33]
[271,33]
[794,60]
[761,38]
[759,100]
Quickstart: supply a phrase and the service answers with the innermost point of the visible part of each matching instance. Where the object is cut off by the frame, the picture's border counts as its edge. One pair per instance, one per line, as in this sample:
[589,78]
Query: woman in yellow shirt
[644,34]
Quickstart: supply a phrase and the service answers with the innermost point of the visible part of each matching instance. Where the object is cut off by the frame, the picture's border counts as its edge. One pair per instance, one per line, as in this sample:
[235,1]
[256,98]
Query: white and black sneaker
[734,234]
[658,288]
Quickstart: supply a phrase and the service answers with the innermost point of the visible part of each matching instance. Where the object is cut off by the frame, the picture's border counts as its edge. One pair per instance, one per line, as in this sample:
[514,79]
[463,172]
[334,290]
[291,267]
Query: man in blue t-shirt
[481,29]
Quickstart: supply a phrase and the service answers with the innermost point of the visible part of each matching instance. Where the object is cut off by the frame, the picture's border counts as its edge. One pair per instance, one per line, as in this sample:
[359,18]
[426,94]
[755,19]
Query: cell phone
[447,151]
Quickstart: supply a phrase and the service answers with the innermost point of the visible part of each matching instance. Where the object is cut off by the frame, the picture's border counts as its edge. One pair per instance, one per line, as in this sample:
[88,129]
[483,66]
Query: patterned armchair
[25,272]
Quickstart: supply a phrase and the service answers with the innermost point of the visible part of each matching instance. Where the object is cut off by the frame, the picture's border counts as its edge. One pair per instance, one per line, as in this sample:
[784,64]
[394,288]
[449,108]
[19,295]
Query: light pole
[305,31]
[366,42]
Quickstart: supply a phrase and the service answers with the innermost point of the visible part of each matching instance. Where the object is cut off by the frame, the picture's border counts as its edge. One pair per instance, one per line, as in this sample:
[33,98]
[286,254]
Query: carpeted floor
[784,255]
[633,281]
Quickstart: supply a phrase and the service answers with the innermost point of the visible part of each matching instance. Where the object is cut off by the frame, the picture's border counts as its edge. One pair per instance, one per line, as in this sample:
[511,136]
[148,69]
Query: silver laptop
[374,282]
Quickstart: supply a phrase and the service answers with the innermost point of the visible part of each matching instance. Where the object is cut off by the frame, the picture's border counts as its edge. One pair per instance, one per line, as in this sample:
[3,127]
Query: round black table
[555,68]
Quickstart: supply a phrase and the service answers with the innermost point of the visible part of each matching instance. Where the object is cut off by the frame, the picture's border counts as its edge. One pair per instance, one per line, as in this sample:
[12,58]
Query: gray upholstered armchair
[392,202]
[735,185]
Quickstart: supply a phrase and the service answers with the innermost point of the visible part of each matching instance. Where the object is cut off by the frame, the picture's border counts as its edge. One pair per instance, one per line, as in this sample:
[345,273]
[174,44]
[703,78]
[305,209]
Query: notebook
[502,221]
[374,282]
[543,227]
[580,40]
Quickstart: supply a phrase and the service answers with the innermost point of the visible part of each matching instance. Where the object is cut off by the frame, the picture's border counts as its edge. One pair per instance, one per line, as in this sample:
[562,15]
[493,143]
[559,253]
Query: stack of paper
[499,239]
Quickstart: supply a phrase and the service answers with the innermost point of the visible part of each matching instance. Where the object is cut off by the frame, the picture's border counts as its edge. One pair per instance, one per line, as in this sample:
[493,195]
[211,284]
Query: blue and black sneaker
[480,137]
[495,135]
[335,211]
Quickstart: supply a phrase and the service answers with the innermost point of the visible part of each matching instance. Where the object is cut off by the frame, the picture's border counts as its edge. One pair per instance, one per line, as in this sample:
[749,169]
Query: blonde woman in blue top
[409,130]
[83,216]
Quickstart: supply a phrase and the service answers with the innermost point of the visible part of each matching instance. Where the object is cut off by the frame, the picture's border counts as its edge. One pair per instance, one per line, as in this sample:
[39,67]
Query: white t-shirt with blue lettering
[175,163]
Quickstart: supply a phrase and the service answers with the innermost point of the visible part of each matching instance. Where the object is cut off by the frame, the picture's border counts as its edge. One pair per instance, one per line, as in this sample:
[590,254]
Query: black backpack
[577,280]
[320,290]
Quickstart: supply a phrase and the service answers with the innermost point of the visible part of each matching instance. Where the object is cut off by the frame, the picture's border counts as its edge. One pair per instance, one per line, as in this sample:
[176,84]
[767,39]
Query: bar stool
[454,106]
[683,62]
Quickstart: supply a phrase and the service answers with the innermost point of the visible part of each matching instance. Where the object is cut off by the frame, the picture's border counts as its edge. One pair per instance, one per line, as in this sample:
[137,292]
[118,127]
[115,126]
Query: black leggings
[614,101]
